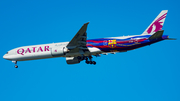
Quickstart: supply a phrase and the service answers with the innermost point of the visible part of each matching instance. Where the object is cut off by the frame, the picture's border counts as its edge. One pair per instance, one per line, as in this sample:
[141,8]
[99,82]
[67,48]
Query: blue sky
[146,74]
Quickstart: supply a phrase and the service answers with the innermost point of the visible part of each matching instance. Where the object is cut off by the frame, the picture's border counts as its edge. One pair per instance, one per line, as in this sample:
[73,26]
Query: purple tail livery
[157,24]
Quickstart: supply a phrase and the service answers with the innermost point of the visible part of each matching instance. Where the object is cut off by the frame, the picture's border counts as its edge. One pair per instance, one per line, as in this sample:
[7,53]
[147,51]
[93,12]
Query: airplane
[79,48]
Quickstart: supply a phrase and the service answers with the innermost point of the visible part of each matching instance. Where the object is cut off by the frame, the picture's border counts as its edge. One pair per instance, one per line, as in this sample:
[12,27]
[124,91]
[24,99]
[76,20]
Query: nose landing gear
[15,62]
[16,66]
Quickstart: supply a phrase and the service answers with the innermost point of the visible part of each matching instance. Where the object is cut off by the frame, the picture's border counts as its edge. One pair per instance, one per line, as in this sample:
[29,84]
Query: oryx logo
[112,43]
[157,25]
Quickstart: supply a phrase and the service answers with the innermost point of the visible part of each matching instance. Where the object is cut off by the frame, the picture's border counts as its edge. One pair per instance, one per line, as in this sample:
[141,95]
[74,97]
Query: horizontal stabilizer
[156,35]
[171,39]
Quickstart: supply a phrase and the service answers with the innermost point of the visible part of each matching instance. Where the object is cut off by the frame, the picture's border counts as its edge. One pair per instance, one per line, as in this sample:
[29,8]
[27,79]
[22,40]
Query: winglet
[87,23]
[157,24]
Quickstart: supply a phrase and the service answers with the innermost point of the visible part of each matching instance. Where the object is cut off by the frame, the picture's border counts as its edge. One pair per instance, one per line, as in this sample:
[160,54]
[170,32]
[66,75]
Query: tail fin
[157,24]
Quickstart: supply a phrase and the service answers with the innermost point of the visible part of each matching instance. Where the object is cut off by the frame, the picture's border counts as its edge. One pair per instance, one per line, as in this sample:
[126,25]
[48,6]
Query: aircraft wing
[77,46]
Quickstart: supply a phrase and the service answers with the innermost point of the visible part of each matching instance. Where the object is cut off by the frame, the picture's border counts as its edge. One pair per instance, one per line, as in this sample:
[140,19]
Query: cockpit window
[7,53]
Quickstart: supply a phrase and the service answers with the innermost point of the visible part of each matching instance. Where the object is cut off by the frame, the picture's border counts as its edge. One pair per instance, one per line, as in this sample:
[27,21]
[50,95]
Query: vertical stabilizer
[157,24]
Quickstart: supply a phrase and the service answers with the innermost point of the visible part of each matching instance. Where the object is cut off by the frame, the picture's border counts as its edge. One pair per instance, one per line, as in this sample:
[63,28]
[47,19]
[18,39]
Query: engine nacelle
[72,60]
[58,51]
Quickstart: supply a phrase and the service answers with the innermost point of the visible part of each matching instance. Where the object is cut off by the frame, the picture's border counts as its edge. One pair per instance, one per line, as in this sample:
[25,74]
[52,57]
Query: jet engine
[59,51]
[72,60]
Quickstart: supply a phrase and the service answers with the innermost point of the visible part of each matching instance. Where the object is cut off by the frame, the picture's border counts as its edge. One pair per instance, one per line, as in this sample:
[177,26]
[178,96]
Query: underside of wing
[77,46]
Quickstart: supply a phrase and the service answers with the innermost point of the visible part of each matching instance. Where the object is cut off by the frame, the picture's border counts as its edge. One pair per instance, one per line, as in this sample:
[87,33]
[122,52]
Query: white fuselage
[43,51]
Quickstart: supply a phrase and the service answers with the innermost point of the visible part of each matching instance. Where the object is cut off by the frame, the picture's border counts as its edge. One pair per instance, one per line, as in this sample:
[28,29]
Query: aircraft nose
[9,57]
[5,56]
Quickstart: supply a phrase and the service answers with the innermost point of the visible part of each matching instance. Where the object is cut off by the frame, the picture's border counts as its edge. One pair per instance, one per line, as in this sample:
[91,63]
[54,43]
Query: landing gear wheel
[91,62]
[94,63]
[87,62]
[16,66]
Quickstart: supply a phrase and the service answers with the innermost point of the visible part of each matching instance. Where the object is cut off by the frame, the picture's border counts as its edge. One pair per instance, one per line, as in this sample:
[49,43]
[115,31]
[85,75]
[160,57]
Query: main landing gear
[91,62]
[15,62]
[87,58]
